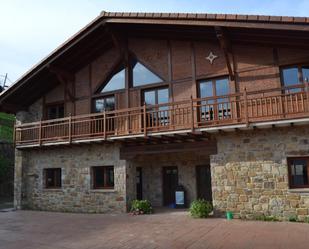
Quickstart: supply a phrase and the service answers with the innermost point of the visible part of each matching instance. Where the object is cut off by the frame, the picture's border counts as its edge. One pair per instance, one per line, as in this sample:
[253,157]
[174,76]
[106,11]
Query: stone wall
[152,166]
[76,194]
[250,173]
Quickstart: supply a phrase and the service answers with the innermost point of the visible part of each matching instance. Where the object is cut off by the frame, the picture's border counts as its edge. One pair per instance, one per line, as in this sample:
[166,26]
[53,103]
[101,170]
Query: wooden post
[246,107]
[307,93]
[70,129]
[192,114]
[104,125]
[40,133]
[145,119]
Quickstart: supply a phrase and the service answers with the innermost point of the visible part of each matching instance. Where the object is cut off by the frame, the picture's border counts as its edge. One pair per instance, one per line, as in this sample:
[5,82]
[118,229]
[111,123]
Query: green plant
[200,208]
[293,219]
[306,220]
[141,207]
[266,218]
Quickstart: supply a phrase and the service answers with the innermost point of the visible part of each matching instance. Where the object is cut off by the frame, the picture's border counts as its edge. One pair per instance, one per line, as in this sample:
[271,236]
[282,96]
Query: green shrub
[266,218]
[293,218]
[200,208]
[306,220]
[141,207]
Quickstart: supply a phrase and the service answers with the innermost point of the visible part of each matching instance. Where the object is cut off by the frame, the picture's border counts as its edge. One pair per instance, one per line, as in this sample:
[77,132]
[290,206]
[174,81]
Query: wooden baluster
[104,125]
[70,129]
[40,133]
[307,94]
[192,114]
[246,107]
[145,119]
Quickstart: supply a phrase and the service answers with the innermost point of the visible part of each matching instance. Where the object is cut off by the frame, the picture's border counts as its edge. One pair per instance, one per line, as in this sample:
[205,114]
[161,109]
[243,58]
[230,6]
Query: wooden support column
[170,70]
[67,79]
[227,50]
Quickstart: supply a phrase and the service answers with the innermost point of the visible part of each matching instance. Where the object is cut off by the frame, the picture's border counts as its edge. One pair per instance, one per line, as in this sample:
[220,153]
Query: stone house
[136,104]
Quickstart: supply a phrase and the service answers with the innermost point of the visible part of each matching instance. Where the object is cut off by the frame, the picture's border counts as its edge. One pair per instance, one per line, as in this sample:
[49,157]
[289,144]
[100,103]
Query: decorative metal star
[211,57]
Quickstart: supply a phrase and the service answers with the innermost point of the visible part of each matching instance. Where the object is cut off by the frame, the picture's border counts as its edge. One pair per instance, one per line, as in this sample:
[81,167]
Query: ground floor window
[298,172]
[52,178]
[103,177]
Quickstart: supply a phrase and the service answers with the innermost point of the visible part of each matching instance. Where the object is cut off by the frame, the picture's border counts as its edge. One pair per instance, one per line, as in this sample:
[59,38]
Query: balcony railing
[239,108]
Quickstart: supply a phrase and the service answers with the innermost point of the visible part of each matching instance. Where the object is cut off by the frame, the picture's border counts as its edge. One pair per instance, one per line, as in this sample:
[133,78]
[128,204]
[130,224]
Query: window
[142,75]
[298,172]
[158,115]
[294,75]
[214,108]
[102,177]
[117,82]
[55,111]
[104,104]
[52,178]
[156,96]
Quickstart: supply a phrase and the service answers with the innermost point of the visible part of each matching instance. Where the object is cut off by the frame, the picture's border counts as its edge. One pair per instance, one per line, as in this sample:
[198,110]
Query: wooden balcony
[234,111]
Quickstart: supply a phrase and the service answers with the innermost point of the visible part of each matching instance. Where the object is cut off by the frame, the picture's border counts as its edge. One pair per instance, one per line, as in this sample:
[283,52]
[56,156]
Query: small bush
[266,218]
[293,219]
[141,207]
[306,220]
[200,208]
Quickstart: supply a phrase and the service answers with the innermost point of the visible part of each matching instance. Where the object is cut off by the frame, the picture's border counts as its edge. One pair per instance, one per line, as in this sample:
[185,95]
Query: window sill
[299,190]
[102,190]
[52,189]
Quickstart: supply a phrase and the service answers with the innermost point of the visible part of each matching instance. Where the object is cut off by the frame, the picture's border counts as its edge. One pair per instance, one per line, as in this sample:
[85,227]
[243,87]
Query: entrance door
[203,182]
[170,183]
[139,183]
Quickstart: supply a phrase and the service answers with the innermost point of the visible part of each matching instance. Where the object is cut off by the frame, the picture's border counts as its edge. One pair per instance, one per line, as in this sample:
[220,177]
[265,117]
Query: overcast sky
[29,30]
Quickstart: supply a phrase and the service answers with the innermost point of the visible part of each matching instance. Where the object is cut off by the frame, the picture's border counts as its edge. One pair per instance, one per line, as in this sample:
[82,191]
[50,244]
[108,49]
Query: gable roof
[10,103]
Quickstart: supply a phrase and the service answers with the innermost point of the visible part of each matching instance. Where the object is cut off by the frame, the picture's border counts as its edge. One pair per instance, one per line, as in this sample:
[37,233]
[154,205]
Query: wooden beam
[132,151]
[225,45]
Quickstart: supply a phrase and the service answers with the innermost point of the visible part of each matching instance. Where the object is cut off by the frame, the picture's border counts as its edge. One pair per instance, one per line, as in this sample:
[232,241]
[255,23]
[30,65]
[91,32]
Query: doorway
[139,183]
[203,182]
[170,183]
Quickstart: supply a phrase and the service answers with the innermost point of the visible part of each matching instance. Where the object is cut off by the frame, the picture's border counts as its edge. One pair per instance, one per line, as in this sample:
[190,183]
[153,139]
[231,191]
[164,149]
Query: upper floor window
[156,96]
[55,111]
[295,75]
[214,108]
[116,82]
[142,75]
[104,104]
[298,172]
[214,87]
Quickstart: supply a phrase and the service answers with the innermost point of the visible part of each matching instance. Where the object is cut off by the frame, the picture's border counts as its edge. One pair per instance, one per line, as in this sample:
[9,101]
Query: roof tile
[287,19]
[299,19]
[221,16]
[211,16]
[241,17]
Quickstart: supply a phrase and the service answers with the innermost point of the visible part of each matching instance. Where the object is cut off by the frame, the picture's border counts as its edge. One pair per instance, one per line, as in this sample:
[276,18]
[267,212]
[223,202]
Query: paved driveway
[44,230]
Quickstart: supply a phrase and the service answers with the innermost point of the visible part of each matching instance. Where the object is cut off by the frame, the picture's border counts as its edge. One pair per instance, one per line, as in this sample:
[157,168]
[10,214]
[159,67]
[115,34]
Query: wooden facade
[250,56]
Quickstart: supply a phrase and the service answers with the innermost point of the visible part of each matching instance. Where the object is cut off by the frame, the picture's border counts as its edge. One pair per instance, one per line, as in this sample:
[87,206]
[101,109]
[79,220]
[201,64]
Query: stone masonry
[76,194]
[250,173]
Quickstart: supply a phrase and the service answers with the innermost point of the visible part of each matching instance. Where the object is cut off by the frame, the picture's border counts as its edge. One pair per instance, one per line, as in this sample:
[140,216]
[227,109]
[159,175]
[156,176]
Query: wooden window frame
[213,81]
[289,161]
[55,173]
[299,67]
[102,97]
[93,177]
[156,89]
[53,104]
